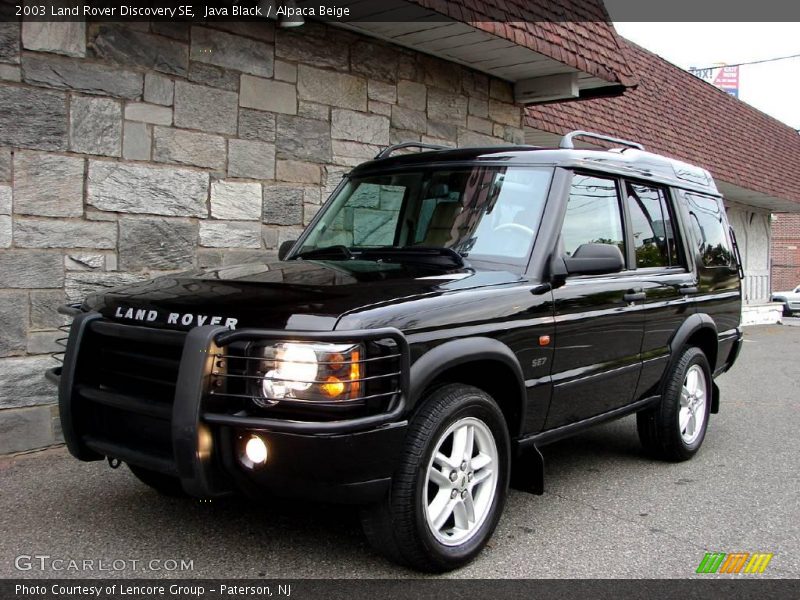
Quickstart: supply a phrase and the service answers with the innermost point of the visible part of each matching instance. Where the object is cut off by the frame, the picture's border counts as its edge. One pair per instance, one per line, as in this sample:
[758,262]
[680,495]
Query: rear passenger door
[658,255]
[718,286]
[599,318]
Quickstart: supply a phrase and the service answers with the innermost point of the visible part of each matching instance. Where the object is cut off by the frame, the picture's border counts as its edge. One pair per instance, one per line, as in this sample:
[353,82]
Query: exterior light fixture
[294,18]
[269,8]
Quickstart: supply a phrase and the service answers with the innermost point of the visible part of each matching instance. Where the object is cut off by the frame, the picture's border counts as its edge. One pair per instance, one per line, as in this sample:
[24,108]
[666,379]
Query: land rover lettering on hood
[173,318]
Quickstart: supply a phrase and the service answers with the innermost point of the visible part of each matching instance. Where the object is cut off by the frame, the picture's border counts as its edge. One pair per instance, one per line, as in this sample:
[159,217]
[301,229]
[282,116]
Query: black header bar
[398,10]
[369,589]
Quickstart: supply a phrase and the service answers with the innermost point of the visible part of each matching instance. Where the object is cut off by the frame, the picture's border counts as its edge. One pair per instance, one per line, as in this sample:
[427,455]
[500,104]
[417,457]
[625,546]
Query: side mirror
[284,248]
[595,259]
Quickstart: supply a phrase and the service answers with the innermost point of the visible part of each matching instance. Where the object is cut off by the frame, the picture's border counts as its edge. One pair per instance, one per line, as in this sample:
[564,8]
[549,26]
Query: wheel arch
[483,362]
[698,330]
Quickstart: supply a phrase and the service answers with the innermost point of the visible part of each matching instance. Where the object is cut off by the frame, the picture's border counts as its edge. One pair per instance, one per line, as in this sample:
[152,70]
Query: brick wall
[785,251]
[128,151]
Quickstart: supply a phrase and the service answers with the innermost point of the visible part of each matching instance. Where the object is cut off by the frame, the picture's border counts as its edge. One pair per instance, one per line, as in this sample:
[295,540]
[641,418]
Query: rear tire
[675,428]
[163,484]
[449,491]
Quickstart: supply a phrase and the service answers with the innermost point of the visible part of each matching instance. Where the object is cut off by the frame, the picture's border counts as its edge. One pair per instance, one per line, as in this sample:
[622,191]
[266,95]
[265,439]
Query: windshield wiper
[445,257]
[433,255]
[336,251]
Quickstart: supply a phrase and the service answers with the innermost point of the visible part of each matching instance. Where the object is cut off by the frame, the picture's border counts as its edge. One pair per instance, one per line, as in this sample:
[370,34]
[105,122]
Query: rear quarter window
[710,230]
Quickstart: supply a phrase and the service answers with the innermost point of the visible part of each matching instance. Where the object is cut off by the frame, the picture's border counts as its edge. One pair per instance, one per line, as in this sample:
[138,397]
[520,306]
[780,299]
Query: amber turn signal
[355,373]
[333,387]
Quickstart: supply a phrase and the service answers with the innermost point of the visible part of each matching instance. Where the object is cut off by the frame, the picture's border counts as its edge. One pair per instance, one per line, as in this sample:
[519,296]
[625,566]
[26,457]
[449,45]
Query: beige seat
[442,224]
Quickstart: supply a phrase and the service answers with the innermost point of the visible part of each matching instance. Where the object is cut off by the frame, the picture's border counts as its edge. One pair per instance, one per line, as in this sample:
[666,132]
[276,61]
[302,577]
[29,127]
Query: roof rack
[387,151]
[566,141]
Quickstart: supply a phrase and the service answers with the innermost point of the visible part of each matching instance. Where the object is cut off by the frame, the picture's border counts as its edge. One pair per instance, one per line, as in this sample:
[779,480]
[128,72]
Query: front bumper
[348,460]
[346,468]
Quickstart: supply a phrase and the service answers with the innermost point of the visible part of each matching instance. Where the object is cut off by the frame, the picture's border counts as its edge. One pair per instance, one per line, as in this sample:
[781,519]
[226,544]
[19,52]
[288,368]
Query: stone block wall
[127,151]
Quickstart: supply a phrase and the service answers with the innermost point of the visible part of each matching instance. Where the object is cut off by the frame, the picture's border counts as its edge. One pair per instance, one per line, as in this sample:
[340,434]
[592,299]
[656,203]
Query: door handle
[634,294]
[688,289]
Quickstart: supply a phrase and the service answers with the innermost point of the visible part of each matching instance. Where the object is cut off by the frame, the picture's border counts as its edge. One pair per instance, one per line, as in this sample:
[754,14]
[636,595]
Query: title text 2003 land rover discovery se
[446,314]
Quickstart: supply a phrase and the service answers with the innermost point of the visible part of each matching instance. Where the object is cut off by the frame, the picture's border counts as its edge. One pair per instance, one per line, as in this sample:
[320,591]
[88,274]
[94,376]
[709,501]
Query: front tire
[674,429]
[449,491]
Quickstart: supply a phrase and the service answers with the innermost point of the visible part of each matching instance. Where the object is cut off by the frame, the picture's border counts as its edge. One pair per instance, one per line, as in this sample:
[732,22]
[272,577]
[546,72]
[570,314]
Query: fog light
[256,450]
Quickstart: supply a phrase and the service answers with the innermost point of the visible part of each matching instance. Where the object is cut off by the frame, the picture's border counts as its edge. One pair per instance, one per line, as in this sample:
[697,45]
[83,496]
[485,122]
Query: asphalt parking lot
[608,511]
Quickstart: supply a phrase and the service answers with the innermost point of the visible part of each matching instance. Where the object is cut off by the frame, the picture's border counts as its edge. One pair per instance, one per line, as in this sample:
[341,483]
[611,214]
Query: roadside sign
[724,77]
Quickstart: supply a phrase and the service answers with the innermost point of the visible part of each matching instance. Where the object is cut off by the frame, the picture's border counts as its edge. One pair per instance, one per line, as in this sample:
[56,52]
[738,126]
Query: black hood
[282,295]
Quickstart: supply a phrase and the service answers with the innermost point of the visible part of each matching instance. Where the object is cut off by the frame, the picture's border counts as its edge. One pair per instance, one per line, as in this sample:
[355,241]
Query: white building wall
[752,228]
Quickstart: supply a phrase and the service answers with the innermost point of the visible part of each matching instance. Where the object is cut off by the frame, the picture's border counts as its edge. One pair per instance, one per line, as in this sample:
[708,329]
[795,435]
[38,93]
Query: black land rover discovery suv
[445,315]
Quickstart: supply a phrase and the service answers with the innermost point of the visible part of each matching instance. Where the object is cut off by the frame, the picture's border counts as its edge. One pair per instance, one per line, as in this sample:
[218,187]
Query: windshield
[483,212]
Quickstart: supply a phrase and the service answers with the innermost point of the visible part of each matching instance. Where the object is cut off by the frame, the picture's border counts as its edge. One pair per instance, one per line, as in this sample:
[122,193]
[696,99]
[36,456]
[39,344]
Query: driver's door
[599,318]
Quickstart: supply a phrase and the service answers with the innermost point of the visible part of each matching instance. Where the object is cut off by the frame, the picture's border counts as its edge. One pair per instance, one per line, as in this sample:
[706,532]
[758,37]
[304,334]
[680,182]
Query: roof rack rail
[566,141]
[387,151]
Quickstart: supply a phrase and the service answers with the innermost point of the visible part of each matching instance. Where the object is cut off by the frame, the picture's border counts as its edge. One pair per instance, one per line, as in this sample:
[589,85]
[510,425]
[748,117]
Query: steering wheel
[515,227]
[503,243]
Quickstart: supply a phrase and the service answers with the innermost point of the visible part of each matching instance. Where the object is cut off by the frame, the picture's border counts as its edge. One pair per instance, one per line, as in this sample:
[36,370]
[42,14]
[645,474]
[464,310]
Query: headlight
[310,372]
[296,368]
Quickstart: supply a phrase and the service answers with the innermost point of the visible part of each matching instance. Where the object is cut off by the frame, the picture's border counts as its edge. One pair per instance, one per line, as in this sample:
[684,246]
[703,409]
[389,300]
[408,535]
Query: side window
[653,230]
[593,214]
[707,221]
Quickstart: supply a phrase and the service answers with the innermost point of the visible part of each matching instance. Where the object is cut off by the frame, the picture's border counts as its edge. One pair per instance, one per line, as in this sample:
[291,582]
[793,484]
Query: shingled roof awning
[754,157]
[549,50]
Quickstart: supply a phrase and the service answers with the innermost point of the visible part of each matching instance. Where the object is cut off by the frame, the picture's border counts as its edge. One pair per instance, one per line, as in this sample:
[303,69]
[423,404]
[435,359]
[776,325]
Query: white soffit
[410,25]
[755,199]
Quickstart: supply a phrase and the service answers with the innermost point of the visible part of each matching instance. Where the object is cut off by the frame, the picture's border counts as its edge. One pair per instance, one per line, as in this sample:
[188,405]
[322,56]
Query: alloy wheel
[461,481]
[692,413]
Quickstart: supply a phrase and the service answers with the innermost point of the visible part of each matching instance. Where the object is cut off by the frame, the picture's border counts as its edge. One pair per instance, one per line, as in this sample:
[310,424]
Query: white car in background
[790,301]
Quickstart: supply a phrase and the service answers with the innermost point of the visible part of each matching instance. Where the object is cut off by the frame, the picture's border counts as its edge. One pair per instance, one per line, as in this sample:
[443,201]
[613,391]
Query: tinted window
[652,228]
[509,226]
[370,217]
[706,218]
[593,214]
[479,212]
